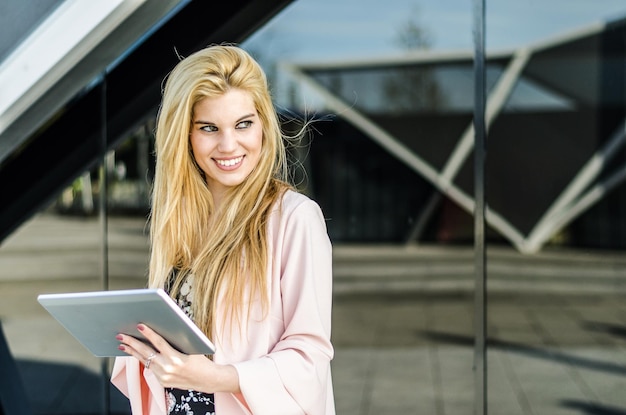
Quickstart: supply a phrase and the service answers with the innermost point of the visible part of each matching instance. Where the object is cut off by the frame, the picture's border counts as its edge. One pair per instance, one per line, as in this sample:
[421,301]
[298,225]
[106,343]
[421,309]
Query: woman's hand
[177,370]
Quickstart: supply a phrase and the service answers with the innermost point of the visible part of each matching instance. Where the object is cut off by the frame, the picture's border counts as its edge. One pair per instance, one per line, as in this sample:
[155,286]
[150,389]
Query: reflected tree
[412,34]
[413,87]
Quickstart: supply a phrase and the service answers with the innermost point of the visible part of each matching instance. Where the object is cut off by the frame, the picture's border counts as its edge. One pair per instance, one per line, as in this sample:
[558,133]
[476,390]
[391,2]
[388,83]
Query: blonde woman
[247,257]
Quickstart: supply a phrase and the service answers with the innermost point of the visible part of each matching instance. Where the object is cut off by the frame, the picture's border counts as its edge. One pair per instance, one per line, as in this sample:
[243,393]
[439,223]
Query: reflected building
[397,164]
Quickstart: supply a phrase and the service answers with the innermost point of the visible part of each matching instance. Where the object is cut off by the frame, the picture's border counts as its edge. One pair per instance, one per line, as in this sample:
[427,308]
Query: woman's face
[226,139]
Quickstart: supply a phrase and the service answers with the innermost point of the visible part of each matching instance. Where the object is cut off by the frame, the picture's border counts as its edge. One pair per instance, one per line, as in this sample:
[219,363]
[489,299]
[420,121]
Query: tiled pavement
[402,327]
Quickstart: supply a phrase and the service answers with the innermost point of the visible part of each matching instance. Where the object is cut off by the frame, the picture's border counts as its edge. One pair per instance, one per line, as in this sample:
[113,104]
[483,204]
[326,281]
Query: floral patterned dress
[187,402]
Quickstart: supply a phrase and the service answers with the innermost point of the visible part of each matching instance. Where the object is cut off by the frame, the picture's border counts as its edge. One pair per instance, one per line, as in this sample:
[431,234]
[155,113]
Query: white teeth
[231,162]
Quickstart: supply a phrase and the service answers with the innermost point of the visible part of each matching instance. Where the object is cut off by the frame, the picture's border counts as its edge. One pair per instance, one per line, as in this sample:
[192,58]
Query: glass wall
[392,165]
[389,158]
[390,85]
[390,100]
[555,176]
[91,237]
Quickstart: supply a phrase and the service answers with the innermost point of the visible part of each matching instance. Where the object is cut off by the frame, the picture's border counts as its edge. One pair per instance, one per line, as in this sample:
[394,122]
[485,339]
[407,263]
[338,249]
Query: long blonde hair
[225,250]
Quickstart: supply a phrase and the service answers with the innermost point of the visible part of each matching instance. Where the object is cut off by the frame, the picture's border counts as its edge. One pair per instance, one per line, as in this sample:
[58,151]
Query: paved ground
[403,324]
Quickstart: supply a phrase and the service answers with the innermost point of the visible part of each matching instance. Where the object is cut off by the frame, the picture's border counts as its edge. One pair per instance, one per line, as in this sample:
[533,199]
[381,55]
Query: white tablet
[95,318]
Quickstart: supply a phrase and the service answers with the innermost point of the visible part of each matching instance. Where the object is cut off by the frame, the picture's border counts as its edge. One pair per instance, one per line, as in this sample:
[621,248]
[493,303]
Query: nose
[227,142]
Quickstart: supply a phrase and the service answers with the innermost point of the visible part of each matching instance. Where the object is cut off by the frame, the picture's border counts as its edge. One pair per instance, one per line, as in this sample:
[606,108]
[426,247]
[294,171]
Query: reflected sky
[331,29]
[336,30]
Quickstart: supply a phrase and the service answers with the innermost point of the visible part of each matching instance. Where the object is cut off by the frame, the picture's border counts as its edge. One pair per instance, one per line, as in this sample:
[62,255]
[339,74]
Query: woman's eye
[244,124]
[209,128]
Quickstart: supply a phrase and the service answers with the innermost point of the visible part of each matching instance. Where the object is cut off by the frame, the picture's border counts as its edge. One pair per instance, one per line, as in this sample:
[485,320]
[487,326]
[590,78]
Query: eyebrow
[238,120]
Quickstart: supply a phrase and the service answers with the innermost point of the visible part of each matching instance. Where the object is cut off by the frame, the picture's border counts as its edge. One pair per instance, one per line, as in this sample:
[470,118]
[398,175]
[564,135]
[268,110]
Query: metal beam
[442,181]
[67,143]
[367,126]
[498,97]
[480,150]
[591,197]
[553,219]
[40,77]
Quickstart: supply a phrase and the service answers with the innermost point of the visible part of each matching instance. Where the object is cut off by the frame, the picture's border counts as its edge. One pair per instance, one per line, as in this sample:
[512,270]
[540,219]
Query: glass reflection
[555,163]
[390,162]
[556,101]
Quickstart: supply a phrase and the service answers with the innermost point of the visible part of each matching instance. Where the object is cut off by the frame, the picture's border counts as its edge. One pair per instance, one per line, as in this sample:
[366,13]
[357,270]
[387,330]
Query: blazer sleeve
[294,378]
[144,392]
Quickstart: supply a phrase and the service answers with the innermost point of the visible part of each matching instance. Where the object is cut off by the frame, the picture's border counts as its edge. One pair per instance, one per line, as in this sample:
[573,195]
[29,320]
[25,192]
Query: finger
[159,343]
[148,361]
[135,347]
[136,343]
[129,350]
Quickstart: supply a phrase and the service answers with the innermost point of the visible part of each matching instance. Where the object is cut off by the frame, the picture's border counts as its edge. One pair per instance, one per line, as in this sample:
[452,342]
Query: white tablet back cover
[95,318]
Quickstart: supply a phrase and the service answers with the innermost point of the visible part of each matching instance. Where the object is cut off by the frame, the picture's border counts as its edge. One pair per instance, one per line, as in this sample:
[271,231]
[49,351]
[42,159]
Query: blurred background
[389,158]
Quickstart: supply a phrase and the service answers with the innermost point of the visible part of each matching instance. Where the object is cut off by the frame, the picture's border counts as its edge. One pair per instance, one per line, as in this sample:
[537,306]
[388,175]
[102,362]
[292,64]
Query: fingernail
[119,337]
[121,347]
[140,327]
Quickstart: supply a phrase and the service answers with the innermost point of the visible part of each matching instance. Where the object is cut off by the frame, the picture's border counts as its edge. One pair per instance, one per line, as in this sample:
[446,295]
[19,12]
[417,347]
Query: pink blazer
[283,360]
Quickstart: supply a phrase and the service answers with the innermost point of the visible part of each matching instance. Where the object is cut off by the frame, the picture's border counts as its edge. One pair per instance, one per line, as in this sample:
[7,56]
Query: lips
[228,164]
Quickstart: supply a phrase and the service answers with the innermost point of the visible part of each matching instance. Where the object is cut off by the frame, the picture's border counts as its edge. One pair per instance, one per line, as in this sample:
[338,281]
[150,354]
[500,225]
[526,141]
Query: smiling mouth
[229,162]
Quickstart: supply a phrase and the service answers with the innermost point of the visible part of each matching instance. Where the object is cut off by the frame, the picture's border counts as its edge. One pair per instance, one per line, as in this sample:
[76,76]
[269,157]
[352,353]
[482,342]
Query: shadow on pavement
[612,329]
[589,408]
[528,350]
[64,389]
